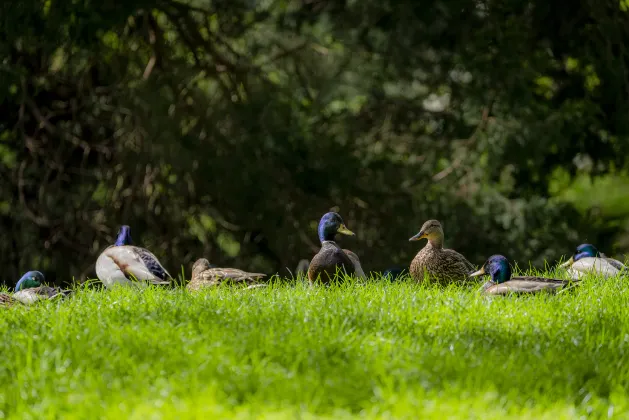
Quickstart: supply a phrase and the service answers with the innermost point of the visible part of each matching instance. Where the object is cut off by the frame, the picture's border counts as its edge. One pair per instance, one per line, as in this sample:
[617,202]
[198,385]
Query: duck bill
[568,263]
[344,230]
[480,272]
[417,237]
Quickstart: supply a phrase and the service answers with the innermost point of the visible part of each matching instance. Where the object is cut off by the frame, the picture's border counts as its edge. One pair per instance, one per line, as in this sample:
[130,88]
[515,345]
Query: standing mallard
[501,283]
[331,257]
[206,275]
[29,289]
[442,265]
[125,264]
[588,260]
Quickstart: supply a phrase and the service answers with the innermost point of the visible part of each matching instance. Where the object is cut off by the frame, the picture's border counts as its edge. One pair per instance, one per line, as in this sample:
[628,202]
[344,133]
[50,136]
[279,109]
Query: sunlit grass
[376,350]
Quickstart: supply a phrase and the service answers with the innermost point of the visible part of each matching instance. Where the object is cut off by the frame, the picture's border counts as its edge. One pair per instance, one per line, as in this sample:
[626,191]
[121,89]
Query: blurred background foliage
[227,128]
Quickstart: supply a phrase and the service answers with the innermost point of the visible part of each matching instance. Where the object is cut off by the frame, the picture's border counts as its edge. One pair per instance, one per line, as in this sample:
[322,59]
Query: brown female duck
[441,265]
[206,275]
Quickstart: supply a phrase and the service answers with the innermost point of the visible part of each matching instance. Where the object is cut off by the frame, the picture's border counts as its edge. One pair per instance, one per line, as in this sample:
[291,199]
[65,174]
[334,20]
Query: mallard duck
[501,283]
[442,265]
[395,273]
[205,275]
[29,289]
[331,257]
[125,264]
[588,260]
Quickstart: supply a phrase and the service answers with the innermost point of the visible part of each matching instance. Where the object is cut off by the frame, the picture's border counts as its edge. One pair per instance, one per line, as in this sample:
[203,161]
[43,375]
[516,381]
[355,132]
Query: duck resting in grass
[501,283]
[30,288]
[206,275]
[441,265]
[330,258]
[125,264]
[588,260]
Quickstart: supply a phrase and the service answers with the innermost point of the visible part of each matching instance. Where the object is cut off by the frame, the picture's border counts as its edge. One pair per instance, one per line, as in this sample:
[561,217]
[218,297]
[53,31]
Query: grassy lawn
[375,350]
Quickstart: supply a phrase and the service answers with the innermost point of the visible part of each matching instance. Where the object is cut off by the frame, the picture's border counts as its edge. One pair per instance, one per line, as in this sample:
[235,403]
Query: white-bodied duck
[125,264]
[588,260]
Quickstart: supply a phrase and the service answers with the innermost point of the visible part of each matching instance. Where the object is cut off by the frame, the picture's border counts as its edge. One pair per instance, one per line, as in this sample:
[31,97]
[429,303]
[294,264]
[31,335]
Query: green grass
[374,350]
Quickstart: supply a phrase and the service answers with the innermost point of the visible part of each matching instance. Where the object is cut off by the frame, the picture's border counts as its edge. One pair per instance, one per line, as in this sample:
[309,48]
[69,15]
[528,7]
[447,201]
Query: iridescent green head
[497,267]
[29,280]
[585,251]
[330,224]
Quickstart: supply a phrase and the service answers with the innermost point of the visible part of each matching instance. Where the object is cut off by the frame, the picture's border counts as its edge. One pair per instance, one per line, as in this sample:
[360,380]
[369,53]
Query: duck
[395,273]
[324,265]
[205,275]
[30,289]
[124,264]
[588,260]
[441,265]
[501,283]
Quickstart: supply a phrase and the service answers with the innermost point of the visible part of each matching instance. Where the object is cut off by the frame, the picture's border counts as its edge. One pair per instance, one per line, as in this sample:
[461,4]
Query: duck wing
[233,274]
[616,264]
[592,265]
[358,269]
[458,261]
[526,284]
[216,276]
[152,264]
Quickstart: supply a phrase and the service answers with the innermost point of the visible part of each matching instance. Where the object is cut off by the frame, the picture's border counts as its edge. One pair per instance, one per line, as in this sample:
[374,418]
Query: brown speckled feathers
[441,265]
[203,275]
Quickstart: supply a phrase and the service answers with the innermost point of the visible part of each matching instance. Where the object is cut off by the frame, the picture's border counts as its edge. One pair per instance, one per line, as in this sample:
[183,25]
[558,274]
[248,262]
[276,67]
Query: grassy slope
[376,350]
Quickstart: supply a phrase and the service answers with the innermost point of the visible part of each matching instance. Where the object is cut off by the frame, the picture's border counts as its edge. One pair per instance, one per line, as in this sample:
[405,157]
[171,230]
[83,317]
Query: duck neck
[326,234]
[436,241]
[124,238]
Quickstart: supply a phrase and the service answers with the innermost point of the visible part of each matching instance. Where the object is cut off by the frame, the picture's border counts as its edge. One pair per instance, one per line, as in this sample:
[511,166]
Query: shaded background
[227,128]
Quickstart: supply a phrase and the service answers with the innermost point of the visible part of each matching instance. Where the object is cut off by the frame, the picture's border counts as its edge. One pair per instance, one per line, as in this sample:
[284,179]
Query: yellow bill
[344,230]
[568,263]
[419,236]
[479,272]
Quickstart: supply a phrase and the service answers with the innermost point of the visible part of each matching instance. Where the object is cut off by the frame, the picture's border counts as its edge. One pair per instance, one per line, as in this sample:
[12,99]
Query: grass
[372,350]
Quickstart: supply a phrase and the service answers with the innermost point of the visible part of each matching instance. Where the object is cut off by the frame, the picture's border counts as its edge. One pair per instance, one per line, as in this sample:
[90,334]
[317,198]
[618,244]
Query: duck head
[497,267]
[330,224]
[124,236]
[430,230]
[201,265]
[582,251]
[29,280]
